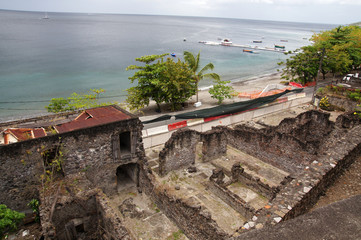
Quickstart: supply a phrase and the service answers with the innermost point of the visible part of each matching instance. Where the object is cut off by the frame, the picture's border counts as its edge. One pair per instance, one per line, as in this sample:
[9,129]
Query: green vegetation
[77,101]
[339,49]
[9,220]
[162,81]
[220,90]
[197,73]
[176,235]
[34,204]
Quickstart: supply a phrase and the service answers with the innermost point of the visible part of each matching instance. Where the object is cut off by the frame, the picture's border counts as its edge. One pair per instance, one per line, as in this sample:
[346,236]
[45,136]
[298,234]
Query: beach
[248,85]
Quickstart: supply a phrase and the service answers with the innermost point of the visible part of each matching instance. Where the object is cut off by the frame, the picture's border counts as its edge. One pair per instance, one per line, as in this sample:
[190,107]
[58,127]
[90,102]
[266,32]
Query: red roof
[22,134]
[93,117]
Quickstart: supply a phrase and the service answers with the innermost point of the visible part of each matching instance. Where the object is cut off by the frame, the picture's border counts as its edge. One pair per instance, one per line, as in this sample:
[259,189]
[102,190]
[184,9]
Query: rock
[177,187]
[192,169]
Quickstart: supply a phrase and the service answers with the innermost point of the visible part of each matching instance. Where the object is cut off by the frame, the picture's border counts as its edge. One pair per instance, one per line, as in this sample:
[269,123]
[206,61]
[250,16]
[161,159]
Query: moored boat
[279,46]
[257,41]
[247,51]
[226,42]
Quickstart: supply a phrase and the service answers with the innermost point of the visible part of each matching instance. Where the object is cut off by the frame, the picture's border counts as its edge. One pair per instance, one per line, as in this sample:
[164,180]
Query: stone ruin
[212,185]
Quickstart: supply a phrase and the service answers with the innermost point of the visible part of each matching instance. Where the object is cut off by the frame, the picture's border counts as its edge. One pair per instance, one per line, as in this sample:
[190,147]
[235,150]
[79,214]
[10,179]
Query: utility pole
[318,73]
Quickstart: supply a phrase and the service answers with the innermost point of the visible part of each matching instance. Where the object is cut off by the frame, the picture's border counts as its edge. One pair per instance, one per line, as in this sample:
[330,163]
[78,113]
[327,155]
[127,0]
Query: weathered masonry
[103,144]
[259,176]
[212,185]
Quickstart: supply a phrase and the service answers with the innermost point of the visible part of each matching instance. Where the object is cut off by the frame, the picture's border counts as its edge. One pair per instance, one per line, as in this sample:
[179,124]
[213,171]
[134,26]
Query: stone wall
[89,150]
[194,220]
[86,215]
[179,151]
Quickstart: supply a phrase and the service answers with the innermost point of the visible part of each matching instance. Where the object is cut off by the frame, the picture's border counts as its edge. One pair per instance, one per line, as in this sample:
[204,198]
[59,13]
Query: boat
[226,42]
[279,46]
[283,40]
[184,39]
[257,41]
[173,54]
[247,51]
[45,16]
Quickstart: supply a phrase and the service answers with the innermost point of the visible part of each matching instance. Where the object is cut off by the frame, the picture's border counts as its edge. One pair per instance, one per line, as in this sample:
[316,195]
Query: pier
[271,49]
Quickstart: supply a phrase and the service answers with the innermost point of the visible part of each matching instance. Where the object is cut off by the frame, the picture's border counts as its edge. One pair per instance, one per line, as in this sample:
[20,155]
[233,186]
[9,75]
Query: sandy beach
[249,85]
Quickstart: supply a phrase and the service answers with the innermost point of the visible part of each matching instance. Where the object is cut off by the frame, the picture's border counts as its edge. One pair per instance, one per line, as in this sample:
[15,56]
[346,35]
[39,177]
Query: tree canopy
[76,101]
[342,53]
[164,81]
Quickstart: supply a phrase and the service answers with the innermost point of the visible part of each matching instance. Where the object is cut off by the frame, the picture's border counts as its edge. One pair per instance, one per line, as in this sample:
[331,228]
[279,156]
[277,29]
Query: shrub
[325,105]
[9,220]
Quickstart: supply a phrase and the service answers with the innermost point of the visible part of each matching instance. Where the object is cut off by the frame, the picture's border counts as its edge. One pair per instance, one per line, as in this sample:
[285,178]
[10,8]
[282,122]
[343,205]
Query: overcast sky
[317,11]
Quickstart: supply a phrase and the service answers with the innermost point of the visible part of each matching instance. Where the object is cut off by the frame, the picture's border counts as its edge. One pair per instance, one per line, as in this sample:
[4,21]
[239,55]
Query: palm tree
[198,75]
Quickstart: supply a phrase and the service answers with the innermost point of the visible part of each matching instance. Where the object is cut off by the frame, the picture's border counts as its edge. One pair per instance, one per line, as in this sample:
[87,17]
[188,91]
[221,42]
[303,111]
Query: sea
[50,57]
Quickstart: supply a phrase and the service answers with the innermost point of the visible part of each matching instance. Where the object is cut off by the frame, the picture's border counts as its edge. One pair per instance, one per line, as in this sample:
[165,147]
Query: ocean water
[42,59]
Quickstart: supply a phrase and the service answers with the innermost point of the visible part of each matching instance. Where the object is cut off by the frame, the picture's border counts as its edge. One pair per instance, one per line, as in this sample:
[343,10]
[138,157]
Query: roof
[93,117]
[22,134]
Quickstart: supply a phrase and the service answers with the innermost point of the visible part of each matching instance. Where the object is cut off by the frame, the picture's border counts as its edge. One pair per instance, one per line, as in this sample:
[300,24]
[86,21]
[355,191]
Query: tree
[199,74]
[177,83]
[220,90]
[148,78]
[342,47]
[302,67]
[161,81]
[76,101]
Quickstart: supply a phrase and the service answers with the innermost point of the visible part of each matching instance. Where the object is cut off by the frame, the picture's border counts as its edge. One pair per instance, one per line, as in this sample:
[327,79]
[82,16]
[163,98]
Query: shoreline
[240,85]
[256,83]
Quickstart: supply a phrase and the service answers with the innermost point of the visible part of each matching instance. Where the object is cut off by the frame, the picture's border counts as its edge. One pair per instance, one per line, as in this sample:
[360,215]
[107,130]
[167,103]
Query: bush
[325,105]
[9,220]
[220,90]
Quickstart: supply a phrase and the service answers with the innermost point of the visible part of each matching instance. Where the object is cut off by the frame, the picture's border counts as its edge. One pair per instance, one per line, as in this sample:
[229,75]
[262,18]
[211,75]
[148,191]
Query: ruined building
[217,184]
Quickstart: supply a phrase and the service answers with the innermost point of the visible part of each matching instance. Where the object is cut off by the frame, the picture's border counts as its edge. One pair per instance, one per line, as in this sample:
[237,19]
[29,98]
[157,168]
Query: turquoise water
[41,59]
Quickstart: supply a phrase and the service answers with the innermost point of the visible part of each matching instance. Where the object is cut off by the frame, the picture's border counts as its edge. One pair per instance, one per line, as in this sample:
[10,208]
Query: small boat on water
[247,51]
[284,40]
[226,42]
[257,41]
[279,46]
[45,16]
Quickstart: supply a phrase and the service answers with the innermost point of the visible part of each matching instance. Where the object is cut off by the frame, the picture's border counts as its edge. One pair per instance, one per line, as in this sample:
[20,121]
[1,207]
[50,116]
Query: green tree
[302,67]
[148,79]
[342,48]
[198,73]
[177,83]
[162,81]
[76,101]
[9,220]
[220,90]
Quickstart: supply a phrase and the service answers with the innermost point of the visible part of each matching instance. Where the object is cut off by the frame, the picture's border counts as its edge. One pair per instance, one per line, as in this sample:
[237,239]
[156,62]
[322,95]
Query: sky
[313,11]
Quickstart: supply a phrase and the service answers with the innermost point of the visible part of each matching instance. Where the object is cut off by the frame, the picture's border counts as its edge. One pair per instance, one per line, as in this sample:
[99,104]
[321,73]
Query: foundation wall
[194,220]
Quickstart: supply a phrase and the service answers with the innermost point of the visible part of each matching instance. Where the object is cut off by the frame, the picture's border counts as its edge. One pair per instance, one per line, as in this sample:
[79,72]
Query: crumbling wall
[86,215]
[89,150]
[195,220]
[214,143]
[179,151]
